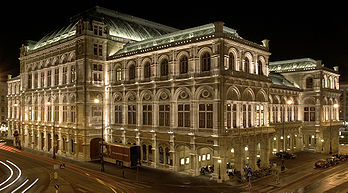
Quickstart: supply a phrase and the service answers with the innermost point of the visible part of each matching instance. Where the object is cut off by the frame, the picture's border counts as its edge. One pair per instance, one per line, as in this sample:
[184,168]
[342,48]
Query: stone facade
[190,98]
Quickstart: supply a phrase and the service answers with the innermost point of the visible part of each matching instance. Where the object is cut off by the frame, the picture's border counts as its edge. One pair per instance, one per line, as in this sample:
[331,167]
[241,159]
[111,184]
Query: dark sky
[295,30]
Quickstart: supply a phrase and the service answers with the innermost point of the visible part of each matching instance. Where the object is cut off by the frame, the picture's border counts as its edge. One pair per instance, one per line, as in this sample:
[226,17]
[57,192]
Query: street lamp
[97,101]
[336,107]
[219,161]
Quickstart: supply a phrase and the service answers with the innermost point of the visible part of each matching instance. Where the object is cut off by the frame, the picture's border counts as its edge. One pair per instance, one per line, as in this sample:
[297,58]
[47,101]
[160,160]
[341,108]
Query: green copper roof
[293,65]
[120,25]
[278,79]
[177,37]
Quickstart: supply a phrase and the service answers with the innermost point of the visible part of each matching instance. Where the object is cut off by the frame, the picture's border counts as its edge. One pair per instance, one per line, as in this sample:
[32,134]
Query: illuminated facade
[189,98]
[3,103]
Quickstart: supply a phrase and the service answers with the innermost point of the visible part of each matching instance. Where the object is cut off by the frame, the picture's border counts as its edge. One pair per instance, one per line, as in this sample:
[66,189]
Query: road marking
[20,186]
[102,182]
[19,173]
[7,178]
[31,185]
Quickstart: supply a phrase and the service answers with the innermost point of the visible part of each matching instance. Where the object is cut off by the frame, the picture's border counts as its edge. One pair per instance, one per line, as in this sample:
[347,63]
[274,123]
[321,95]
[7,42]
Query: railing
[250,131]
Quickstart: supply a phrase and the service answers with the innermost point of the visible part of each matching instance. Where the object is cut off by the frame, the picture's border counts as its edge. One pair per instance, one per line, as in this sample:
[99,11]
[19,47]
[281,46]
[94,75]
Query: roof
[177,38]
[120,25]
[280,80]
[293,65]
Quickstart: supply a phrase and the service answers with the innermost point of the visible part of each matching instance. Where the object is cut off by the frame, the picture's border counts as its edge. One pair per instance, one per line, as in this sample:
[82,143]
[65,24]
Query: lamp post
[219,161]
[334,106]
[97,101]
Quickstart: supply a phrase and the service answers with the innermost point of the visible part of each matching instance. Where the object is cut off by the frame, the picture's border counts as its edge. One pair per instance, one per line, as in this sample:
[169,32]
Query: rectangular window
[96,113]
[56,113]
[56,76]
[309,114]
[244,108]
[73,114]
[97,72]
[42,79]
[65,114]
[95,49]
[147,114]
[49,78]
[132,114]
[118,114]
[164,117]
[249,115]
[36,77]
[100,50]
[30,83]
[49,113]
[205,116]
[65,77]
[184,115]
[100,31]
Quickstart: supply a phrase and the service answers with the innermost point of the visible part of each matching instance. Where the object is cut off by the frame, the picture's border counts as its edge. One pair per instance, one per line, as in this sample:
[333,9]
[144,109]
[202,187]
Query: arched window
[231,62]
[168,156]
[246,64]
[161,157]
[131,72]
[164,68]
[183,65]
[309,82]
[144,152]
[205,62]
[147,70]
[259,63]
[118,74]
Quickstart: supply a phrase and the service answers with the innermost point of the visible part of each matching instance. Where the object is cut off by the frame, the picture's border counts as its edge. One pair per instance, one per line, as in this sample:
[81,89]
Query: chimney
[218,27]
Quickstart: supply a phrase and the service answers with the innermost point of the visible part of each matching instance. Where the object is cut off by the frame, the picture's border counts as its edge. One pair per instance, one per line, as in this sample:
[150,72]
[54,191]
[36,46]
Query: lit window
[208,156]
[187,160]
[182,161]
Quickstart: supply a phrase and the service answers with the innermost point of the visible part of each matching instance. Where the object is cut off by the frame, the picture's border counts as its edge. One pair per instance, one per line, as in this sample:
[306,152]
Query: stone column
[172,152]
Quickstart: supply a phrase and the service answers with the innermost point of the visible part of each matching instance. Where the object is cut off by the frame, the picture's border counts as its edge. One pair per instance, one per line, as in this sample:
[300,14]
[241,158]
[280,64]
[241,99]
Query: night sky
[295,30]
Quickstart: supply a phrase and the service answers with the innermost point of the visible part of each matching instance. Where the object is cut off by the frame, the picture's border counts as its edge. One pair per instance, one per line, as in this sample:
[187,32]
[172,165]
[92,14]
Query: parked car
[322,163]
[285,155]
[332,161]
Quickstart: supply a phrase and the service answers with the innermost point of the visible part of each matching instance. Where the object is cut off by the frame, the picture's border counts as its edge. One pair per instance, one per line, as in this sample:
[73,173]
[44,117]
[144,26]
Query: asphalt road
[34,171]
[18,166]
[85,177]
[301,176]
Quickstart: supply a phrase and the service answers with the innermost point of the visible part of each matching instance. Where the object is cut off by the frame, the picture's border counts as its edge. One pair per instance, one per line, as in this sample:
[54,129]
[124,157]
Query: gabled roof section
[294,65]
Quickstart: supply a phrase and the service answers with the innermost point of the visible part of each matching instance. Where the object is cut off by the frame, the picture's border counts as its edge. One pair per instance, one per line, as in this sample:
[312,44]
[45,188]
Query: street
[85,177]
[301,176]
[31,171]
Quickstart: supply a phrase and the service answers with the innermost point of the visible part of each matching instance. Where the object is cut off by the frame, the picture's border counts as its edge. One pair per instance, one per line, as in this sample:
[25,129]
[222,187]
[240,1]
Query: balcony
[250,131]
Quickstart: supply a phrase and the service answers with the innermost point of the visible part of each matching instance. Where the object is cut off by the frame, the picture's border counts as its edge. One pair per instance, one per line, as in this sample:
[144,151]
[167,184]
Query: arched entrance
[183,158]
[95,148]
